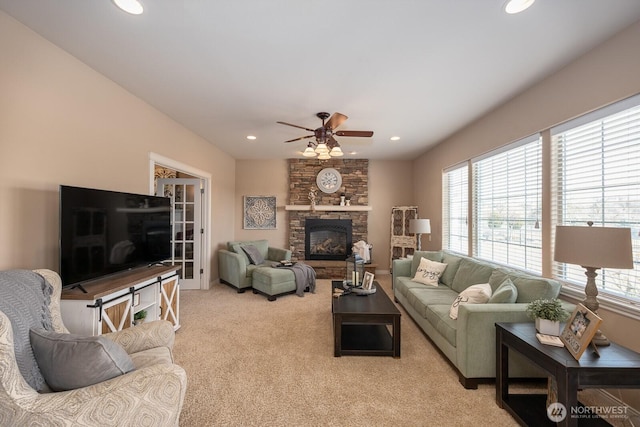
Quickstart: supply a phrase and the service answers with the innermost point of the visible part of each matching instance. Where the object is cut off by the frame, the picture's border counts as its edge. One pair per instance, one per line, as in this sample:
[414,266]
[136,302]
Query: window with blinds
[507,205]
[455,208]
[596,164]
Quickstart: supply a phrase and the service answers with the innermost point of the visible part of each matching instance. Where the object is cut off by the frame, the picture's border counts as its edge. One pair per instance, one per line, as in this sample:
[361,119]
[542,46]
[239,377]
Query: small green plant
[140,315]
[550,309]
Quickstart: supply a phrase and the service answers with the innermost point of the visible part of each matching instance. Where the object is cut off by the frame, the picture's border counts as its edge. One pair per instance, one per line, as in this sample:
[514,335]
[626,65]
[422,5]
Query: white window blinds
[596,164]
[507,205]
[455,208]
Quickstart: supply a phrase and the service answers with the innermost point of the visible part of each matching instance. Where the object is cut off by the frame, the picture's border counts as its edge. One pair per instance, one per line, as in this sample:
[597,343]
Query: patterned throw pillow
[475,294]
[429,272]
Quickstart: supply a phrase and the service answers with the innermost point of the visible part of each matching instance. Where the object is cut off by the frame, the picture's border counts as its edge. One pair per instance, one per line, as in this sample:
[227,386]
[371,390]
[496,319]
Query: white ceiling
[418,69]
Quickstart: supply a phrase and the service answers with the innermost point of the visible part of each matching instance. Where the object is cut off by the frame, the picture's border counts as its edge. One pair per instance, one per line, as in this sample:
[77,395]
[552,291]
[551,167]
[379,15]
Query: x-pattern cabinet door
[170,300]
[116,315]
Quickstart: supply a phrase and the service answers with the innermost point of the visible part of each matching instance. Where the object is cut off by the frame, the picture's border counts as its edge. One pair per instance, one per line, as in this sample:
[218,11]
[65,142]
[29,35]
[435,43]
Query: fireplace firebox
[327,239]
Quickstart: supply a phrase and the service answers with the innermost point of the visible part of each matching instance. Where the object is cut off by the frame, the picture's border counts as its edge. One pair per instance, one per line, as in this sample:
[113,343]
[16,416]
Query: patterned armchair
[152,394]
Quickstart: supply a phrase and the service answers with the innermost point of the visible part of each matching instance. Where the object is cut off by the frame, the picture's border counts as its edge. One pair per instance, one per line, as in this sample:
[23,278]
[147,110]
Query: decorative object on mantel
[259,212]
[547,314]
[419,227]
[348,202]
[329,180]
[343,199]
[312,199]
[592,248]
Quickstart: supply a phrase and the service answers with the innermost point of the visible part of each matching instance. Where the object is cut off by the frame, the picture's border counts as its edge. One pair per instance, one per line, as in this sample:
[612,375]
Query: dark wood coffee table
[365,325]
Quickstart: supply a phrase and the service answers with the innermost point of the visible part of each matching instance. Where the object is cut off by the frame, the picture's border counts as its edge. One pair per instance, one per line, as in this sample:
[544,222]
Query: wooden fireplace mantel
[335,208]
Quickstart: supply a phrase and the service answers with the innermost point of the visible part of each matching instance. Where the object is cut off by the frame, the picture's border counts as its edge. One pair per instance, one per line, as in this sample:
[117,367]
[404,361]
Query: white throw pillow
[475,294]
[429,272]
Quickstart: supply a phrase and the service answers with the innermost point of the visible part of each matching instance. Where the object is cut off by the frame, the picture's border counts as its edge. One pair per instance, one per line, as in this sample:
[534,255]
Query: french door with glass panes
[186,223]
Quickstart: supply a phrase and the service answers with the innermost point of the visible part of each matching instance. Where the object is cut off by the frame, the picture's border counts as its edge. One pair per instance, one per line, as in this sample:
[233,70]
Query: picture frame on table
[367,280]
[579,330]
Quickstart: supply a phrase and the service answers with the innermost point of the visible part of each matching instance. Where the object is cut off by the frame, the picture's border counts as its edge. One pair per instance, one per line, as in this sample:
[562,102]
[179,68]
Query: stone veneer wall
[302,178]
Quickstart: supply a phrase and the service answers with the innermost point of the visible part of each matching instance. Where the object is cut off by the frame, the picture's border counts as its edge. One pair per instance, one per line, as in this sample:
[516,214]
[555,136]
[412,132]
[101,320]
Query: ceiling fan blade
[364,133]
[332,142]
[295,126]
[336,120]
[302,137]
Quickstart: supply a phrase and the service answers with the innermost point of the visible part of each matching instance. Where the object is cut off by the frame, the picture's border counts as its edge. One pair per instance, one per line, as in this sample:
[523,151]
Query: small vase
[548,327]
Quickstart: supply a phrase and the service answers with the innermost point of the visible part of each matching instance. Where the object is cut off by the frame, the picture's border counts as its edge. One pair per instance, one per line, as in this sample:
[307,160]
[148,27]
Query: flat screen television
[105,232]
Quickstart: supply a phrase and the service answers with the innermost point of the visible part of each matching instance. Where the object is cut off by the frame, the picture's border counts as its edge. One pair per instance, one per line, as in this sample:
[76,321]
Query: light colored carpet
[251,362]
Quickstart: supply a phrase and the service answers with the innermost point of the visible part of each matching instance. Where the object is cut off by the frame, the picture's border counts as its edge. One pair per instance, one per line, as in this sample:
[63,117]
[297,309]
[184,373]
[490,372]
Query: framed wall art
[579,330]
[259,212]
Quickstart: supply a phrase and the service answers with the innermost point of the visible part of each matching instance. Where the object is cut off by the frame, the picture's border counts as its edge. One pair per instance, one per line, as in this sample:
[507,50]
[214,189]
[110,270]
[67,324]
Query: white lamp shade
[322,148]
[336,152]
[309,152]
[324,156]
[597,247]
[419,226]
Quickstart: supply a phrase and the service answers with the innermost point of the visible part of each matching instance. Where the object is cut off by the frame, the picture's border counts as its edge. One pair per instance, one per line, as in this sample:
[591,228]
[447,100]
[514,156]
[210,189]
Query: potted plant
[138,317]
[548,314]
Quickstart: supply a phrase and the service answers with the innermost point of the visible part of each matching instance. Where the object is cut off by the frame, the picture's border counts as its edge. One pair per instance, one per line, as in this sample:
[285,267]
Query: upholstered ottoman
[273,282]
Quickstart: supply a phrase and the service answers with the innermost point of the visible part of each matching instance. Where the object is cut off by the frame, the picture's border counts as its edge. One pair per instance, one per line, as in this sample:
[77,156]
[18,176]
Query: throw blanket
[362,248]
[305,277]
[25,297]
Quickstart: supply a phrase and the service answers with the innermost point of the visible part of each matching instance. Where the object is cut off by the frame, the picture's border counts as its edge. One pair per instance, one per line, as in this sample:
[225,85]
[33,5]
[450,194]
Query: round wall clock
[329,180]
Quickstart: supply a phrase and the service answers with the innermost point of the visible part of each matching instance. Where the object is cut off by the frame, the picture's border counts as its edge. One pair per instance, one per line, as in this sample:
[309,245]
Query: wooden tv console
[109,304]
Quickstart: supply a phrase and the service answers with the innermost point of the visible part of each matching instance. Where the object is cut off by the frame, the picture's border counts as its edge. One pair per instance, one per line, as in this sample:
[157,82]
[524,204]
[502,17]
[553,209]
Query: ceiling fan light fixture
[322,148]
[133,7]
[324,156]
[336,152]
[309,152]
[517,6]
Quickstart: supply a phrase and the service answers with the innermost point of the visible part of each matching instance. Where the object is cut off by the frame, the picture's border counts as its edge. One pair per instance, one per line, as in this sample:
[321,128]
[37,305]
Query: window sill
[621,306]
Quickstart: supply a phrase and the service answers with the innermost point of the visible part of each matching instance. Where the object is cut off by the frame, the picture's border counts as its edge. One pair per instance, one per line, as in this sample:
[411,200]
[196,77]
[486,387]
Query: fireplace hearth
[327,239]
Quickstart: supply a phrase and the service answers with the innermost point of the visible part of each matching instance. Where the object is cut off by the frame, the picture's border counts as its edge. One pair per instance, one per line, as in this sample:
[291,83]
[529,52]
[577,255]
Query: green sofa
[469,341]
[236,269]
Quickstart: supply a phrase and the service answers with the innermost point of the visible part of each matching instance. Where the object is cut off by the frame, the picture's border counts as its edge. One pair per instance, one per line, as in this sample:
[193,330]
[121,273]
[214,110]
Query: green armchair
[236,268]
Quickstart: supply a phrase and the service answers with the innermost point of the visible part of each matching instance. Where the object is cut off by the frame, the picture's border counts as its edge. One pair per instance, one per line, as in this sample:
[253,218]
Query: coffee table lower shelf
[366,340]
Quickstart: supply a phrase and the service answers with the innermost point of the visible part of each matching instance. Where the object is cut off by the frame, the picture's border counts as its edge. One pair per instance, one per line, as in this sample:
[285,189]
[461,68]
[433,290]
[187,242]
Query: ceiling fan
[325,145]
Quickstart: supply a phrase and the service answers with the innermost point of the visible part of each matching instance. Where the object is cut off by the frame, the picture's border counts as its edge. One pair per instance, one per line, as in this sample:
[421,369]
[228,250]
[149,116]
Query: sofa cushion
[475,294]
[531,288]
[237,248]
[438,316]
[453,262]
[470,272]
[429,272]
[505,293]
[421,298]
[498,277]
[402,285]
[418,255]
[69,361]
[255,257]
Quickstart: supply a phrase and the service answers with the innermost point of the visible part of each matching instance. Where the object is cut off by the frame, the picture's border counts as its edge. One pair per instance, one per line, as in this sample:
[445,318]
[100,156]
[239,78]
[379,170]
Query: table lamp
[419,227]
[593,248]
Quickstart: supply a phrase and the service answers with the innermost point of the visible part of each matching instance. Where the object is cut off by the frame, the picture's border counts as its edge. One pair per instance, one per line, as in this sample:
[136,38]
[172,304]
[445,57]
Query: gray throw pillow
[506,293]
[69,361]
[255,257]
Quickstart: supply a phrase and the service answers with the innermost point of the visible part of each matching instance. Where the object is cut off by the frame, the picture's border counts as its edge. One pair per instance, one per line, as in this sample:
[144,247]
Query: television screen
[104,232]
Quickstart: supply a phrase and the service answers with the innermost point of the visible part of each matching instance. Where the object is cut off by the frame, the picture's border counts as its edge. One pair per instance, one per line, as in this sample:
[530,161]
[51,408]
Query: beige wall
[63,123]
[606,74]
[390,184]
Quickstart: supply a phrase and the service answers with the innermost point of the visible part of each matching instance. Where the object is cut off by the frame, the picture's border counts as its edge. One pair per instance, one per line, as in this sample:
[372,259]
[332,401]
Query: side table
[617,367]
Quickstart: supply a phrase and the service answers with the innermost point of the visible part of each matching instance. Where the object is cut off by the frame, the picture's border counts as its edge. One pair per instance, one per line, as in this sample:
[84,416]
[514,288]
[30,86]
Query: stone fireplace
[302,178]
[327,239]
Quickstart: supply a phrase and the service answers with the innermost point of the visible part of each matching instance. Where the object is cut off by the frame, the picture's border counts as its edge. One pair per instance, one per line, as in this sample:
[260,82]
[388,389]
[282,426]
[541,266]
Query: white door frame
[157,159]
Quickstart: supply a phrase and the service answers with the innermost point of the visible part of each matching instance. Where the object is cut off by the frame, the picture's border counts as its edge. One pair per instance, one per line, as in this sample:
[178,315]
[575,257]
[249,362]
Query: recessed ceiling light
[394,138]
[517,6]
[251,137]
[133,7]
